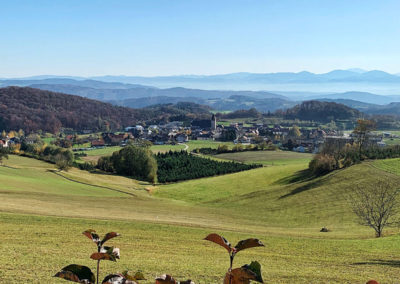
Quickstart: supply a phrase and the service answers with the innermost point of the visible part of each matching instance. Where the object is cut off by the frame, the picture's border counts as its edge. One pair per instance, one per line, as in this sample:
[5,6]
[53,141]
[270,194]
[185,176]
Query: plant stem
[98,264]
[98,268]
[230,267]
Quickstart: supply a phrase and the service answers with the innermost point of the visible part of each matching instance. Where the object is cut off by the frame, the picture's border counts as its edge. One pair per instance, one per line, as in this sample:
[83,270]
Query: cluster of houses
[6,142]
[308,140]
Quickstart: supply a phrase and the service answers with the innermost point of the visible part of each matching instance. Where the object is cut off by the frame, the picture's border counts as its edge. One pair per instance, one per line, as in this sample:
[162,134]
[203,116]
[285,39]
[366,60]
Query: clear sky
[165,37]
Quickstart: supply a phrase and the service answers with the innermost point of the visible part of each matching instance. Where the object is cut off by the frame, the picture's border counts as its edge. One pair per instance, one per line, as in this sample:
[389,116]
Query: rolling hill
[287,211]
[33,109]
[322,111]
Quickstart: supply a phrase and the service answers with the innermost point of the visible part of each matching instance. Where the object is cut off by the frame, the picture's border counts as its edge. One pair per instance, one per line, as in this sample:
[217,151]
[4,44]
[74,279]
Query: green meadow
[267,157]
[43,213]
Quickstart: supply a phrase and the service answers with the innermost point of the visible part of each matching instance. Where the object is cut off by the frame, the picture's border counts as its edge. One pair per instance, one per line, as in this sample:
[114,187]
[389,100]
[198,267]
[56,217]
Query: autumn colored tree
[294,132]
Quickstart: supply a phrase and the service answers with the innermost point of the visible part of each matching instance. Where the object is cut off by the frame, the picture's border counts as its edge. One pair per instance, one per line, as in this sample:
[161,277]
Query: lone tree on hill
[376,205]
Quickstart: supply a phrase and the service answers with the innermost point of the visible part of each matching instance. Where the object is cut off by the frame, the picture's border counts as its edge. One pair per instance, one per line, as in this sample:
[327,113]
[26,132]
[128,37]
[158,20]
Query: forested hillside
[322,112]
[33,109]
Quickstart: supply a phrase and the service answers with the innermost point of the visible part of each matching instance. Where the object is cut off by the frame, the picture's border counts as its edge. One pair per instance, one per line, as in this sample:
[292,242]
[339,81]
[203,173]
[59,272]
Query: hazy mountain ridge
[280,77]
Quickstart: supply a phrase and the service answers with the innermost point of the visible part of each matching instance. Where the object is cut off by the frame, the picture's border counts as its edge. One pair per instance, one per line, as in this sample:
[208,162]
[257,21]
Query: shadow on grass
[300,176]
[392,263]
[302,188]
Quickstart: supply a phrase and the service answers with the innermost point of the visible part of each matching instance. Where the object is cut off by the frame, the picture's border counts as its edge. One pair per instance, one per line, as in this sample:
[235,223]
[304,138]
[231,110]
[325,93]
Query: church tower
[213,123]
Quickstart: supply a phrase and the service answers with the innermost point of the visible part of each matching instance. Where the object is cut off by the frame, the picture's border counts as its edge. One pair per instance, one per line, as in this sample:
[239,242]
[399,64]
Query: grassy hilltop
[44,212]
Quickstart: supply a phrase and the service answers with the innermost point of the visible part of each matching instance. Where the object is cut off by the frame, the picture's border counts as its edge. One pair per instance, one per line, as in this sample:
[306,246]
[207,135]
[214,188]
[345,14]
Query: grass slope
[163,232]
[267,157]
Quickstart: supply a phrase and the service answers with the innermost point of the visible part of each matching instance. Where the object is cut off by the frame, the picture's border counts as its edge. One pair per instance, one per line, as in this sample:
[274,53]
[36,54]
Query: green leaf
[77,273]
[255,267]
[138,275]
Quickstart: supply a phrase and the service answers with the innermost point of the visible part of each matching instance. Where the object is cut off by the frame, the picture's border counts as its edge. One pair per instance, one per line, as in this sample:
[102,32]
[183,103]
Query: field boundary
[84,183]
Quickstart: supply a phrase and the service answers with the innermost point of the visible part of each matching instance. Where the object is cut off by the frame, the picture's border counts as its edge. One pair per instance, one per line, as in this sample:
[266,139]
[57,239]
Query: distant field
[43,215]
[389,165]
[94,155]
[48,140]
[267,157]
[166,148]
[194,144]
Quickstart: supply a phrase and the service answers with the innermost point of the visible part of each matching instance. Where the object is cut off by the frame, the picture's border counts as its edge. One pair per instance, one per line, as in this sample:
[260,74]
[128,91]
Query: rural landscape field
[199,142]
[163,227]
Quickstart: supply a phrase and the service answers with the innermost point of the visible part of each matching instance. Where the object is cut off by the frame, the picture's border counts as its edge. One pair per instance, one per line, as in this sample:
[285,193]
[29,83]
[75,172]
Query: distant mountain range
[352,75]
[137,92]
[337,81]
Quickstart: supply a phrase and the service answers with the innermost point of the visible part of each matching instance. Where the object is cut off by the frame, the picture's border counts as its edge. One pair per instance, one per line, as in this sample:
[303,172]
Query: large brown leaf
[117,279]
[215,238]
[249,243]
[91,234]
[109,236]
[77,273]
[165,279]
[168,279]
[106,253]
[244,274]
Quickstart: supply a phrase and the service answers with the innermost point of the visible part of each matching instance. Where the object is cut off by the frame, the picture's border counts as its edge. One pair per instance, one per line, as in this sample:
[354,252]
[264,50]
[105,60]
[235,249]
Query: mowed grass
[267,157]
[162,232]
[35,247]
[195,144]
[388,165]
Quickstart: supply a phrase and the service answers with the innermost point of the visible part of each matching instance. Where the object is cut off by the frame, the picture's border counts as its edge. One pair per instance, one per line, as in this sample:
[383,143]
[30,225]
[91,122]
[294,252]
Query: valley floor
[44,212]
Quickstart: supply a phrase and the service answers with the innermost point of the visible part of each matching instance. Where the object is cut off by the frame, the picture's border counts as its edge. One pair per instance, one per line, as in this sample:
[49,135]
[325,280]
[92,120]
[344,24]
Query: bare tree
[375,205]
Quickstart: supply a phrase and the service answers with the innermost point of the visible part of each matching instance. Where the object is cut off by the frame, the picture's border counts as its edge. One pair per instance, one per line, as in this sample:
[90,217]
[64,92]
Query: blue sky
[166,37]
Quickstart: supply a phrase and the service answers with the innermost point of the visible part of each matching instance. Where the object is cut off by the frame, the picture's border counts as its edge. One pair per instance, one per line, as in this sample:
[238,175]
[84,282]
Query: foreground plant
[83,274]
[168,279]
[246,273]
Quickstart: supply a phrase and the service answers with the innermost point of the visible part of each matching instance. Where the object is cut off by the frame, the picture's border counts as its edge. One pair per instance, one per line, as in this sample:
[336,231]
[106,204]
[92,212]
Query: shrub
[322,164]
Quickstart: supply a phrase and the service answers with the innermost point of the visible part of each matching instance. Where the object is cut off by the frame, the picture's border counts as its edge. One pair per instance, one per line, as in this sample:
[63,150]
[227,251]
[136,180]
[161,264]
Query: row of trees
[63,158]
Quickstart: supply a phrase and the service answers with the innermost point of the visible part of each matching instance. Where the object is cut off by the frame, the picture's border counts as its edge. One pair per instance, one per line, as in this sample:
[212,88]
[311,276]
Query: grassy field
[94,155]
[267,157]
[194,144]
[42,215]
[389,165]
